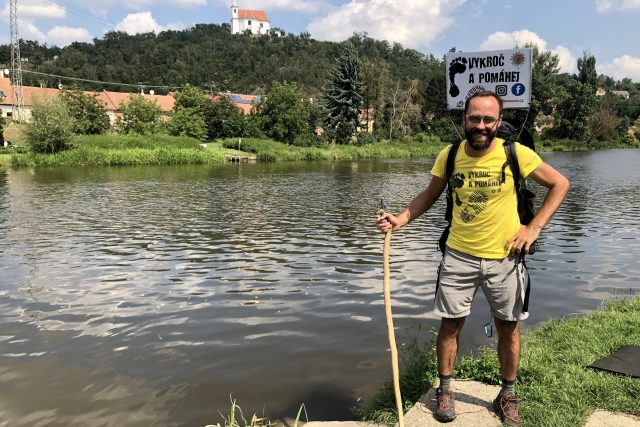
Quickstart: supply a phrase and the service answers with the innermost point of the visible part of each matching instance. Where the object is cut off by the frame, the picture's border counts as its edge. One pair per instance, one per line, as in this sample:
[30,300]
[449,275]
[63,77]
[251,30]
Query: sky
[607,29]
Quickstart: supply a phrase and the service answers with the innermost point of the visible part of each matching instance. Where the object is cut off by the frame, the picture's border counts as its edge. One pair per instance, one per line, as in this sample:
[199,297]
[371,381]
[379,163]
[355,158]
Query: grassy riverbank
[556,387]
[270,151]
[121,150]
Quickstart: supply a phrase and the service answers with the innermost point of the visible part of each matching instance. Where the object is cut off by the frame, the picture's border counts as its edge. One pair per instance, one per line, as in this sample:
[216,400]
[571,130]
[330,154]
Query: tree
[376,77]
[51,127]
[88,113]
[284,115]
[140,116]
[187,122]
[546,66]
[188,113]
[223,119]
[576,111]
[343,95]
[190,97]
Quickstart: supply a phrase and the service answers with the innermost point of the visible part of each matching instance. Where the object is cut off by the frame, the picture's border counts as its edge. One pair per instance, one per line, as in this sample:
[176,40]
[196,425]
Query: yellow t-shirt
[485,209]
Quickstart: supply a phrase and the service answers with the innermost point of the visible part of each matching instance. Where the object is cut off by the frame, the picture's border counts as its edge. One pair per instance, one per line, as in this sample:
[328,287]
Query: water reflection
[151,294]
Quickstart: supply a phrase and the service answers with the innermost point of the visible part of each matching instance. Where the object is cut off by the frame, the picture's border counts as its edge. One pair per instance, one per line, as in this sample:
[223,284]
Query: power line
[139,85]
[80,12]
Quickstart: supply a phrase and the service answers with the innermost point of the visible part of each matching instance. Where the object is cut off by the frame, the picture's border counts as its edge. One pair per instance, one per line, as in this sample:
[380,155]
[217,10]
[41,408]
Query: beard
[475,137]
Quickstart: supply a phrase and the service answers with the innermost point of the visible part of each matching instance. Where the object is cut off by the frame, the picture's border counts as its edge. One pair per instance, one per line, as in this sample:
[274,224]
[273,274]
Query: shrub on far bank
[187,122]
[51,127]
[139,116]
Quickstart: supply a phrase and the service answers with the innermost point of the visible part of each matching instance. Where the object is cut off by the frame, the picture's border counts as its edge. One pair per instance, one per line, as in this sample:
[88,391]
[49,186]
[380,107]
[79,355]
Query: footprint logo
[457,66]
[477,203]
[457,181]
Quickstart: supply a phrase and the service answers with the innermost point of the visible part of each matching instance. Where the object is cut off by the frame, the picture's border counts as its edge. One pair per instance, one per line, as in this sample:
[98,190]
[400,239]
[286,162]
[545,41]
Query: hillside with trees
[402,91]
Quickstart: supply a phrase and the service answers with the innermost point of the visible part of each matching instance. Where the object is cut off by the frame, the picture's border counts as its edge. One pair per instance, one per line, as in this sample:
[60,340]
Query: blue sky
[607,28]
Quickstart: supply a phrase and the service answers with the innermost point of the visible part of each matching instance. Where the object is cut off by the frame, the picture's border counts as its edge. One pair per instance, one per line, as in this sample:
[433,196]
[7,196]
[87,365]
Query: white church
[244,19]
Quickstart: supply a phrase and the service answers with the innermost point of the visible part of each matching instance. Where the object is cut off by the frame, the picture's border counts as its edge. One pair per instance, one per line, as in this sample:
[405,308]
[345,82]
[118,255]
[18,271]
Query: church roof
[252,14]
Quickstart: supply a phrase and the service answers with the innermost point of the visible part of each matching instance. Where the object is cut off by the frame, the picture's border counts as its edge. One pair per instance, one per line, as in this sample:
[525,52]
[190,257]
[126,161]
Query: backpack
[510,133]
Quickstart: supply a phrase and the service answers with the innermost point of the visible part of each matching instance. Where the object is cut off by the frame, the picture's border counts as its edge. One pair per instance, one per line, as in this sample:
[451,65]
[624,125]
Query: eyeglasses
[475,120]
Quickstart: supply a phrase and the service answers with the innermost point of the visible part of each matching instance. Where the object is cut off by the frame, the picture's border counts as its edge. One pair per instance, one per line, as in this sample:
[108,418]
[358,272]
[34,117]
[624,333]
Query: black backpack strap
[512,161]
[451,164]
[448,215]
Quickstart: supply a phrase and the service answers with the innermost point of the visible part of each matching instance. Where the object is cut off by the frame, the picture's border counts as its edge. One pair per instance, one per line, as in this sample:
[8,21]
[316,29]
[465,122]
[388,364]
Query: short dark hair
[484,93]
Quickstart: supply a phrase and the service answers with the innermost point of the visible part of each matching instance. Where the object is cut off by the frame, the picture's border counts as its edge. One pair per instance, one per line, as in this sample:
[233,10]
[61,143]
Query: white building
[244,19]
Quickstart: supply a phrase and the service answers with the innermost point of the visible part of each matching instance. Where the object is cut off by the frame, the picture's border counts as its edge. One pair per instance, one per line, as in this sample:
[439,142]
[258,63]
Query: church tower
[235,21]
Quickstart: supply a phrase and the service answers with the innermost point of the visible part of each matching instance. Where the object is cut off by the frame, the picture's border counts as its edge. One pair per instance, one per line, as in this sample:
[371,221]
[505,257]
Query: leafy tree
[190,97]
[376,76]
[51,127]
[140,116]
[343,95]
[546,66]
[223,119]
[576,111]
[283,114]
[187,122]
[88,112]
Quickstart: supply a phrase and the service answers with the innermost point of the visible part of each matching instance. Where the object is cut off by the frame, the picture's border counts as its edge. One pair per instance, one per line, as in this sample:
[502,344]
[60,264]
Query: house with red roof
[244,19]
[111,100]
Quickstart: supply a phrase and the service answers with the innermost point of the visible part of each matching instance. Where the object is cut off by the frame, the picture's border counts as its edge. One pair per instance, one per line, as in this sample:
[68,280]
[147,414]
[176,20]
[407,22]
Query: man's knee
[451,327]
[507,329]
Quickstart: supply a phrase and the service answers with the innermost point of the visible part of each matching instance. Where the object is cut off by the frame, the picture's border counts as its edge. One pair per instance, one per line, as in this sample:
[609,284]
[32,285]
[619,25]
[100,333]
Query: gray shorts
[503,282]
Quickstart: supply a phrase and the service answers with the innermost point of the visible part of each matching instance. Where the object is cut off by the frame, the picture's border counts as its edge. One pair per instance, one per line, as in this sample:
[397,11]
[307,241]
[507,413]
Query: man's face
[478,132]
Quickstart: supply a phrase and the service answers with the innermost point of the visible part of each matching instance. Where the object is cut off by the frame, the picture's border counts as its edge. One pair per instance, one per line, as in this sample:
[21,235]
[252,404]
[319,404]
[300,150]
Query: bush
[88,113]
[51,127]
[186,121]
[364,138]
[443,128]
[140,116]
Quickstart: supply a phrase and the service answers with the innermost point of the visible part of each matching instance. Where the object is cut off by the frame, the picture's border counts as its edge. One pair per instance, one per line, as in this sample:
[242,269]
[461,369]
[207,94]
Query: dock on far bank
[245,158]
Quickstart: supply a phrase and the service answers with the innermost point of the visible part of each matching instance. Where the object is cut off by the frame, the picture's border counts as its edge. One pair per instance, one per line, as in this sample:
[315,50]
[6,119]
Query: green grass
[271,151]
[121,150]
[556,387]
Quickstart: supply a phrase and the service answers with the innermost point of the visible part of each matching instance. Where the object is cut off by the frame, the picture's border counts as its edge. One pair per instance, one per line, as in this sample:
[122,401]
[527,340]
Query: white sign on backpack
[505,72]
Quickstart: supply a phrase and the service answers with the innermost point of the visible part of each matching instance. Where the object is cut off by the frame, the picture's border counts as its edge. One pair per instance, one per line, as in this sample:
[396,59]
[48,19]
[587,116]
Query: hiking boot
[506,406]
[446,410]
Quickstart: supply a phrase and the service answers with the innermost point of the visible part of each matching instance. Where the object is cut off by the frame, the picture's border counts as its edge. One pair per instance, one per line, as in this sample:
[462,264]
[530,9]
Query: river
[150,296]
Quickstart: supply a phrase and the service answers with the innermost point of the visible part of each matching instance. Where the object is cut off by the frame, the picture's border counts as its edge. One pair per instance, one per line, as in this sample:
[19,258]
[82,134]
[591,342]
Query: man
[484,245]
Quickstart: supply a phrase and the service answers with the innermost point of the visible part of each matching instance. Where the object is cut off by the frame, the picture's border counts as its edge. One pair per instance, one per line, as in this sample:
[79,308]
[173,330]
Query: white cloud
[502,40]
[29,31]
[621,67]
[62,36]
[568,61]
[413,23]
[143,22]
[609,5]
[34,9]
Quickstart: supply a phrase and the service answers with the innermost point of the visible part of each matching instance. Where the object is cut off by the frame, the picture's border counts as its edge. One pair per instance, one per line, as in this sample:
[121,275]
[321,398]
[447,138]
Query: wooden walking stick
[386,283]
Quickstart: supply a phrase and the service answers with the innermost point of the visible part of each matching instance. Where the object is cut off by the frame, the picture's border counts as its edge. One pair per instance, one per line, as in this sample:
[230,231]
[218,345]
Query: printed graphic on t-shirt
[478,186]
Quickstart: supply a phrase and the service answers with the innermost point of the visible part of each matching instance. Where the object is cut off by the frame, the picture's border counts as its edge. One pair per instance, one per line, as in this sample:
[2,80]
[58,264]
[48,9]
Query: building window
[261,25]
[235,10]
[249,23]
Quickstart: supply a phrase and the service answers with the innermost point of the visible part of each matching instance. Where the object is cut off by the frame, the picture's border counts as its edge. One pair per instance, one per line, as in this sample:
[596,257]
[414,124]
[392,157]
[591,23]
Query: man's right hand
[387,221]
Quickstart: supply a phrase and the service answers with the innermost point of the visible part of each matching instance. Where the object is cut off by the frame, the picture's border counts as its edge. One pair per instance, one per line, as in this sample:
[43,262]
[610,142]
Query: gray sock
[508,387]
[445,382]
